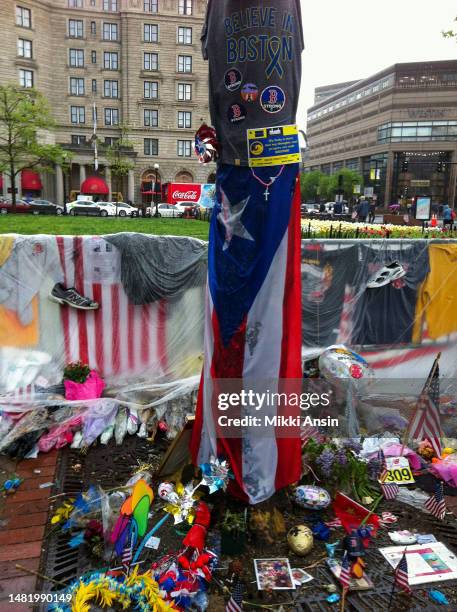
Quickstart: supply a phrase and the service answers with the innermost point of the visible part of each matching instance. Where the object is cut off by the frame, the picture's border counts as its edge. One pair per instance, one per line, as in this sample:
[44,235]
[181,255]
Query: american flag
[401,574]
[119,337]
[345,575]
[252,322]
[389,490]
[435,504]
[425,423]
[127,555]
[308,432]
[236,600]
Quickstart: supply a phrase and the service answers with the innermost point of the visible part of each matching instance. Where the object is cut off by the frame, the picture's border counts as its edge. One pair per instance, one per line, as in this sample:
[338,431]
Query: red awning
[94,185]
[30,181]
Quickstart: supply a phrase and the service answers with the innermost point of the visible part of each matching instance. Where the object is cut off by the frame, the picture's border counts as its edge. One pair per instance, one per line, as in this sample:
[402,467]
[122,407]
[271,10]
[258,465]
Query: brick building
[398,128]
[137,62]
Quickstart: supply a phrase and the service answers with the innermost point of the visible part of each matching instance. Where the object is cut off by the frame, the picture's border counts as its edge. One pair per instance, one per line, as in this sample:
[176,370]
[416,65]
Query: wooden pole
[42,576]
[425,389]
[343,599]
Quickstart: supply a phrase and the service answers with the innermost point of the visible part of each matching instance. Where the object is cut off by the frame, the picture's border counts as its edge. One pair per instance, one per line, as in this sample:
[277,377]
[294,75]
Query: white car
[90,208]
[123,209]
[164,210]
[185,207]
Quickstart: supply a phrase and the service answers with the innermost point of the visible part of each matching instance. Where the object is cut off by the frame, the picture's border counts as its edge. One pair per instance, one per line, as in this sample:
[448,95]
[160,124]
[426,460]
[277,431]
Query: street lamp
[156,198]
[65,167]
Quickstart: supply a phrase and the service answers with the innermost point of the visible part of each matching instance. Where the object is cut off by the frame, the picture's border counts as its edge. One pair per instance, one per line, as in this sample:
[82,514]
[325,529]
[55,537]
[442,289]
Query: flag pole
[425,389]
[393,586]
[343,599]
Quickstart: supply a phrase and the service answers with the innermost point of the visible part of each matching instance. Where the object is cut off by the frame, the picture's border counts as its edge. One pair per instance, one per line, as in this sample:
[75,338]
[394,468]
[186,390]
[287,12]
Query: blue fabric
[246,231]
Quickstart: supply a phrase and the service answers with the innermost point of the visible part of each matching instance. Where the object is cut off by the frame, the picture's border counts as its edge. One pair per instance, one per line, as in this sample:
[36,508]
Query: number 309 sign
[399,470]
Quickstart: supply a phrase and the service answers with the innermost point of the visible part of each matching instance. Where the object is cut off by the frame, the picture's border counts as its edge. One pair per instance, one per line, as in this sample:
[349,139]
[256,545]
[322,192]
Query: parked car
[45,207]
[164,210]
[125,210]
[90,208]
[186,208]
[6,206]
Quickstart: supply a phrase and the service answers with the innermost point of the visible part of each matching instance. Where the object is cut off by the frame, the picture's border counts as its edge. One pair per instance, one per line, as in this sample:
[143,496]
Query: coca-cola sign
[184,192]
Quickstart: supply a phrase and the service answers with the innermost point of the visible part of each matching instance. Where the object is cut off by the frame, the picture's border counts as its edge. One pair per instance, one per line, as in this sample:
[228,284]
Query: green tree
[309,184]
[450,33]
[119,162]
[324,185]
[349,180]
[24,118]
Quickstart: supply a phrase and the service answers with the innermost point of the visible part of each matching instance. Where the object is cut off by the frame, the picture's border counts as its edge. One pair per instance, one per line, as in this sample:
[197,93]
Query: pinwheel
[206,145]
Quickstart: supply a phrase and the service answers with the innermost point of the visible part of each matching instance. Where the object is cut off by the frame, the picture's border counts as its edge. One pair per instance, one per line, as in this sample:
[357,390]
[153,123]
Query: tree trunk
[13,187]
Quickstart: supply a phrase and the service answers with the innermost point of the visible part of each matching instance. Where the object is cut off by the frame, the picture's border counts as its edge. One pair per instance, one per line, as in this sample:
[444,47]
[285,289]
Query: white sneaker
[386,275]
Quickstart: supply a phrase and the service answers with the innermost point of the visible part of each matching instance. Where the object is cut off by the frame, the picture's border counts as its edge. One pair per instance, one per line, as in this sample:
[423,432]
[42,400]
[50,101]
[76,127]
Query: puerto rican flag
[253,319]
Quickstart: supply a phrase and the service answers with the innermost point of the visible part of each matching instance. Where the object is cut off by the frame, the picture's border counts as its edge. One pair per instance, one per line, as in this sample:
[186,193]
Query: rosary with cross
[266,193]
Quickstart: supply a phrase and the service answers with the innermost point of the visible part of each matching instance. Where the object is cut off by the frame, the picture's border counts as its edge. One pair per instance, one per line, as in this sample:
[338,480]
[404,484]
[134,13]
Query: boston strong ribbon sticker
[272,99]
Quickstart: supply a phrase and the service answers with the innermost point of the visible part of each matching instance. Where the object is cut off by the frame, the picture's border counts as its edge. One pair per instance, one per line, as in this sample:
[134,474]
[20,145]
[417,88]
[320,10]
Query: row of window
[356,96]
[111,60]
[150,145]
[111,31]
[111,116]
[111,89]
[185,7]
[417,131]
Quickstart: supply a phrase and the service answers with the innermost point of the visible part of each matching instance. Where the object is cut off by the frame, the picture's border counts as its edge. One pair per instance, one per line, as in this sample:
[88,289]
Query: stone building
[398,128]
[130,63]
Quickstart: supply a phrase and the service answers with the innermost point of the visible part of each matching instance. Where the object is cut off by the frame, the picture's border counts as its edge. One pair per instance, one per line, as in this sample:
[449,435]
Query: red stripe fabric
[64,314]
[79,285]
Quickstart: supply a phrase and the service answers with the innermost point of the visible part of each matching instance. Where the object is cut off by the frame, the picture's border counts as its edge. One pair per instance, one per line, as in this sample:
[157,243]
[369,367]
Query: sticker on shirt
[232,79]
[273,146]
[236,113]
[273,99]
[250,92]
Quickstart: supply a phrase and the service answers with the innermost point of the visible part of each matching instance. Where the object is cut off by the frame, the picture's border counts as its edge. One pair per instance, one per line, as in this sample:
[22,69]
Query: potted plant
[233,533]
[81,382]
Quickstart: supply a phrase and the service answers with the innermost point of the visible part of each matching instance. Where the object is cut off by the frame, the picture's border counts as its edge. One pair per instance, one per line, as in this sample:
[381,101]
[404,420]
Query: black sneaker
[71,297]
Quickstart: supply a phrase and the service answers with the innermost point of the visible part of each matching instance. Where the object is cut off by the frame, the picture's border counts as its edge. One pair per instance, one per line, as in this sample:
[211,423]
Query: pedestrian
[448,216]
[338,208]
[322,207]
[372,216]
[363,210]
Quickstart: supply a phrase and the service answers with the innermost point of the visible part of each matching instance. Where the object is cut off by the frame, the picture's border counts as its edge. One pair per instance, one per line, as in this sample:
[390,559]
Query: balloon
[339,362]
[311,497]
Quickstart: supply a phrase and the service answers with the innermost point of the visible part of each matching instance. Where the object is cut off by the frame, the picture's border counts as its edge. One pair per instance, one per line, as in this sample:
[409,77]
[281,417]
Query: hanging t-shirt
[326,271]
[254,52]
[386,315]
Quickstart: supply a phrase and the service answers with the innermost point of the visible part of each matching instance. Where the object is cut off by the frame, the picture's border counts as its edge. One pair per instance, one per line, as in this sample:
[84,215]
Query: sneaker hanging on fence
[386,275]
[72,298]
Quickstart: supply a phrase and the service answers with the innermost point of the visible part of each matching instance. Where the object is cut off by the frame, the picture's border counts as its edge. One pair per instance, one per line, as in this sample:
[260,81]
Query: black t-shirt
[326,271]
[385,315]
[254,52]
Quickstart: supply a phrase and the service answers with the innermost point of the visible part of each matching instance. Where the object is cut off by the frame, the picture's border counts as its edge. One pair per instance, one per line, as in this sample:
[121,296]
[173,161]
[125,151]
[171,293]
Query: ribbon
[274,51]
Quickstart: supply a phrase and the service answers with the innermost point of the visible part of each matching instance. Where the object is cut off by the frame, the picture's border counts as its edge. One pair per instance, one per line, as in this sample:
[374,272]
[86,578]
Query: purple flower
[325,462]
[374,468]
[353,445]
[341,457]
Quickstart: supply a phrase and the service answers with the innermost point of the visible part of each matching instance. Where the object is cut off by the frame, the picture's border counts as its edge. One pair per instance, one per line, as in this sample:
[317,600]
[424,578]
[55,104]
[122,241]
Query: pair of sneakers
[389,273]
[71,297]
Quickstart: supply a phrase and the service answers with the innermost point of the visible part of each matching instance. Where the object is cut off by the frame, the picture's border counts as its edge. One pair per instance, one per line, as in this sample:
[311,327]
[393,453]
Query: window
[151,117]
[417,131]
[184,148]
[78,114]
[110,60]
[111,116]
[110,141]
[184,63]
[110,31]
[185,7]
[151,146]
[151,61]
[184,91]
[151,32]
[184,36]
[111,89]
[151,6]
[94,85]
[184,119]
[77,58]
[76,139]
[23,17]
[26,78]
[93,28]
[93,57]
[76,86]
[75,3]
[151,90]
[110,5]
[24,48]
[76,28]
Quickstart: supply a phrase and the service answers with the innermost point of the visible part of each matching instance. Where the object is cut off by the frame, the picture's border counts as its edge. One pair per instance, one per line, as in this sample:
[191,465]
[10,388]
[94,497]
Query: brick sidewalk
[26,513]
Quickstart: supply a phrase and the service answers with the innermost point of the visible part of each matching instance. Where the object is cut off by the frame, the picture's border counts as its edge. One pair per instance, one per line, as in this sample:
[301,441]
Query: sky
[348,40]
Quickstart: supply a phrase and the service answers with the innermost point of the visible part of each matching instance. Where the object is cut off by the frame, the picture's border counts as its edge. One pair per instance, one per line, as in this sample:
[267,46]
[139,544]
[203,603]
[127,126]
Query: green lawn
[30,224]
